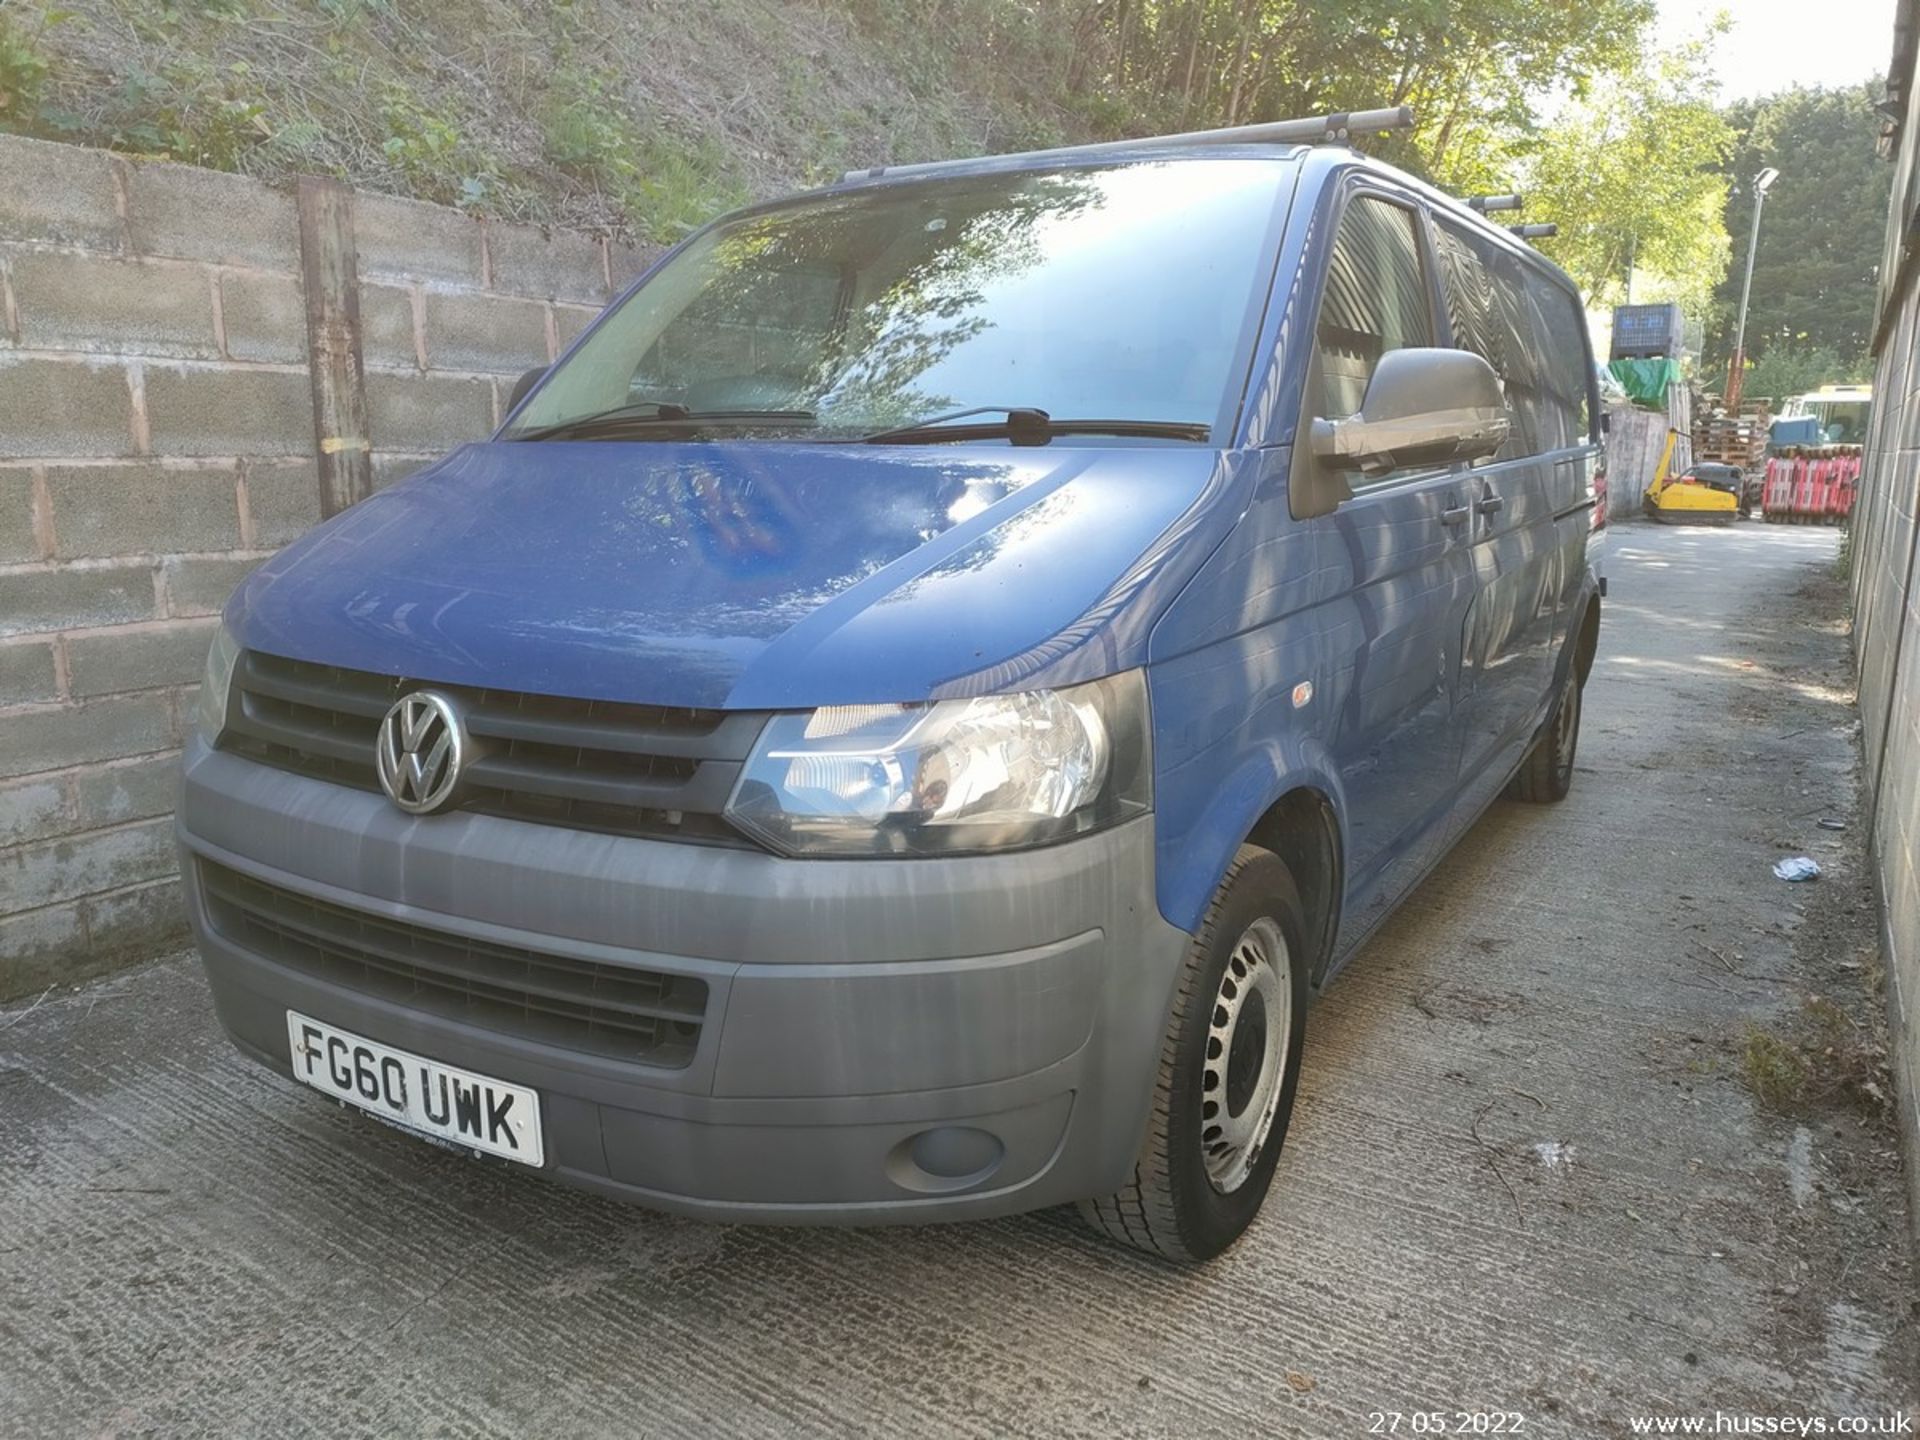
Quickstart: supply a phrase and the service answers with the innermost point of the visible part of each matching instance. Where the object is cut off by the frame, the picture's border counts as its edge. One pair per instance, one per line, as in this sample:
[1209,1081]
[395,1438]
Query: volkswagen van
[904,716]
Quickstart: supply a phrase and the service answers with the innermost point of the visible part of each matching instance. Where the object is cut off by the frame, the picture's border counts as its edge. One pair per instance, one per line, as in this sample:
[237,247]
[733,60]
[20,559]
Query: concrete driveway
[1528,1170]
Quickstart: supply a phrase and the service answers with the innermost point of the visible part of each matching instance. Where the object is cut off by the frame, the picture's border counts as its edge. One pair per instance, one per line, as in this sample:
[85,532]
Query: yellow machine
[1689,499]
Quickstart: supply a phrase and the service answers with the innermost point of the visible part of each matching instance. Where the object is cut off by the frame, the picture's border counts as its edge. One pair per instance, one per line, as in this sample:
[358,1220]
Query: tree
[1789,370]
[1633,174]
[1819,251]
[1472,69]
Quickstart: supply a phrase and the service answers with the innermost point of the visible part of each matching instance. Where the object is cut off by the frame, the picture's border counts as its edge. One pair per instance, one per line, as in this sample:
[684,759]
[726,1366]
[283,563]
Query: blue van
[905,714]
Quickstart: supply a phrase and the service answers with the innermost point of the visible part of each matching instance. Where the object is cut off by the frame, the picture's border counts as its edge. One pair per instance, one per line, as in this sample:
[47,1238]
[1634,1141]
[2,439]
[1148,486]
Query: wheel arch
[1586,643]
[1275,786]
[1303,829]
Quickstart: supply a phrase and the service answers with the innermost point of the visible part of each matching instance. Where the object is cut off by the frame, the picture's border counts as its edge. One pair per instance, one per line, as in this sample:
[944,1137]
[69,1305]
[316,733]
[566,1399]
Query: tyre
[1546,775]
[1229,1066]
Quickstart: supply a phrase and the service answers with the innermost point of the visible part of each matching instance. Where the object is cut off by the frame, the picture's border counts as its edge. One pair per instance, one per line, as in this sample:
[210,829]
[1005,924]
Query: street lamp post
[1737,368]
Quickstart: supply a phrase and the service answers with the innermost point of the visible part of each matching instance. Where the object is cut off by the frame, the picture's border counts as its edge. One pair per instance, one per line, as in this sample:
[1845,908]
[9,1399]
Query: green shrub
[24,68]
[682,186]
[428,148]
[188,111]
[587,130]
[665,185]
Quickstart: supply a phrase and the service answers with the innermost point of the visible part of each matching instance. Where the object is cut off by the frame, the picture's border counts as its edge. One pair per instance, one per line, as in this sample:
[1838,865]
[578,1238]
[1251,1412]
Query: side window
[1491,315]
[1375,301]
[1526,356]
[1529,329]
[1472,307]
[1569,375]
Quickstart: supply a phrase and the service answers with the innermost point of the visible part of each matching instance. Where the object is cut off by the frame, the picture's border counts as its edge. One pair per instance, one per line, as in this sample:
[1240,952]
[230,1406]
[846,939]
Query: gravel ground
[1529,1171]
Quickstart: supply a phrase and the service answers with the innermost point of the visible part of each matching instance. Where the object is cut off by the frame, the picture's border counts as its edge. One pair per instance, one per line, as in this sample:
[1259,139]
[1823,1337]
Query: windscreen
[1123,292]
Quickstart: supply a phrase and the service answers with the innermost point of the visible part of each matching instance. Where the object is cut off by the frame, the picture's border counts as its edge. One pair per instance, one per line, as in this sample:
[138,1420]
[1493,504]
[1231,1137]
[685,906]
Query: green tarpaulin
[1646,381]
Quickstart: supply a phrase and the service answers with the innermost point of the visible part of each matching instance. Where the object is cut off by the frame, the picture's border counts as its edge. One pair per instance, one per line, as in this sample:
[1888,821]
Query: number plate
[415,1093]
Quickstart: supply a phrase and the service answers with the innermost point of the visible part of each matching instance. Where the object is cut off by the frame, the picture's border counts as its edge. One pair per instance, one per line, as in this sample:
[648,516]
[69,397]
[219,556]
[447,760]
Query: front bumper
[882,1041]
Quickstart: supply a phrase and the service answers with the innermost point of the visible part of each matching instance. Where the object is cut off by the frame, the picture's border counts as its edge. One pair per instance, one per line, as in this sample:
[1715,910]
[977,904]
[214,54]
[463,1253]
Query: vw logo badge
[420,752]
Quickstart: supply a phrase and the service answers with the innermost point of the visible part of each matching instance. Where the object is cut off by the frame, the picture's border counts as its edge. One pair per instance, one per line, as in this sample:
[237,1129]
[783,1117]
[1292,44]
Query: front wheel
[1229,1065]
[1546,775]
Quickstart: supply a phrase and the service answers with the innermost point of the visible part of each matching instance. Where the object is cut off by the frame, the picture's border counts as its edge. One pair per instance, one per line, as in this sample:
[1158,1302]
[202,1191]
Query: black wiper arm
[664,414]
[1027,426]
[636,410]
[1025,417]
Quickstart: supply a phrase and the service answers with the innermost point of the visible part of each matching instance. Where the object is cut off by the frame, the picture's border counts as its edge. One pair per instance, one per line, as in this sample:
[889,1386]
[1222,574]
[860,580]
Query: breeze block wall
[1886,600]
[157,441]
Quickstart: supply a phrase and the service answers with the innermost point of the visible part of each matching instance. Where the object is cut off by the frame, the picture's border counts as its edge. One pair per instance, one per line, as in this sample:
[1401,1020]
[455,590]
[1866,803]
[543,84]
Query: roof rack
[1487,204]
[1335,129]
[1544,231]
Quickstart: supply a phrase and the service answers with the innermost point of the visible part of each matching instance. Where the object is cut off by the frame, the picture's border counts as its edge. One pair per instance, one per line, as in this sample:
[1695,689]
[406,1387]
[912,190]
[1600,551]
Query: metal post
[1737,371]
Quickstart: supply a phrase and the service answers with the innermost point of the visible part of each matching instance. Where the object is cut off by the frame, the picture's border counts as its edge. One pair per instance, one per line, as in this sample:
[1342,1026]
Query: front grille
[586,764]
[582,1005]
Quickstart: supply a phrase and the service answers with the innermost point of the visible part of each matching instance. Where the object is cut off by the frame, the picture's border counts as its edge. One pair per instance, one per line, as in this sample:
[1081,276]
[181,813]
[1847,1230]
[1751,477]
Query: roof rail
[1486,204]
[1308,130]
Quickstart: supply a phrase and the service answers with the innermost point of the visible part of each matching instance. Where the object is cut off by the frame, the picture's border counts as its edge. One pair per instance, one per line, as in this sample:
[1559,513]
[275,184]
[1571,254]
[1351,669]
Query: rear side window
[1375,301]
[1569,374]
[1528,329]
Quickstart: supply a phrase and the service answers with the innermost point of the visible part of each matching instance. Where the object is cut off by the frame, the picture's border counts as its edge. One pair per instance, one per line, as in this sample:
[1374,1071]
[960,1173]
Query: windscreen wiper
[1027,426]
[659,414]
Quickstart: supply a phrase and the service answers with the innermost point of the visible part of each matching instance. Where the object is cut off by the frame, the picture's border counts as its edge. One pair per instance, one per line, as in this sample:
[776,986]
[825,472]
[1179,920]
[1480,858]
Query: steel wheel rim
[1246,1055]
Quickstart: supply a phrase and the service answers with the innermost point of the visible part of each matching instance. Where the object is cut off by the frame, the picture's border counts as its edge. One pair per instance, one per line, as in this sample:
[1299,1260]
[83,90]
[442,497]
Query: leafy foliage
[1794,370]
[1631,174]
[187,111]
[24,63]
[1471,68]
[619,115]
[1815,267]
[427,146]
[665,186]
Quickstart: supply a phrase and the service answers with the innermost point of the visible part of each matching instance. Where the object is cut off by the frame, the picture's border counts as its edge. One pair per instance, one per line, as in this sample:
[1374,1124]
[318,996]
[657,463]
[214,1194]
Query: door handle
[1487,504]
[1455,515]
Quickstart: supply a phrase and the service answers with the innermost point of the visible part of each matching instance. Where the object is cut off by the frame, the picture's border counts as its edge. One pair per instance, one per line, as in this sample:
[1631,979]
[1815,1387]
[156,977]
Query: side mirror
[525,383]
[1422,407]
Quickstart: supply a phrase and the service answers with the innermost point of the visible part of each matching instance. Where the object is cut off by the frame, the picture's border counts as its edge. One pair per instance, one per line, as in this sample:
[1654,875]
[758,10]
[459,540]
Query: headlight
[215,683]
[956,776]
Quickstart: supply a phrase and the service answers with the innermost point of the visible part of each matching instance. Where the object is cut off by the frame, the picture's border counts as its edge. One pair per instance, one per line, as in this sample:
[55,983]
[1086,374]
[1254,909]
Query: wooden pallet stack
[1723,439]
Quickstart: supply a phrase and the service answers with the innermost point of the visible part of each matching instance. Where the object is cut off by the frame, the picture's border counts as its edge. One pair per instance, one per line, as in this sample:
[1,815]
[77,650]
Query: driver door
[1396,558]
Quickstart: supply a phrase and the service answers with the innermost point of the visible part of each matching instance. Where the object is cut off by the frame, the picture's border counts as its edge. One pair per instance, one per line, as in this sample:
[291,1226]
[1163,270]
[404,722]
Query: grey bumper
[882,1041]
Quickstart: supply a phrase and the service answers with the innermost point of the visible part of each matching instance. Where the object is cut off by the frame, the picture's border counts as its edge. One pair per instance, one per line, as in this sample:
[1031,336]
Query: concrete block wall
[1886,594]
[157,442]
